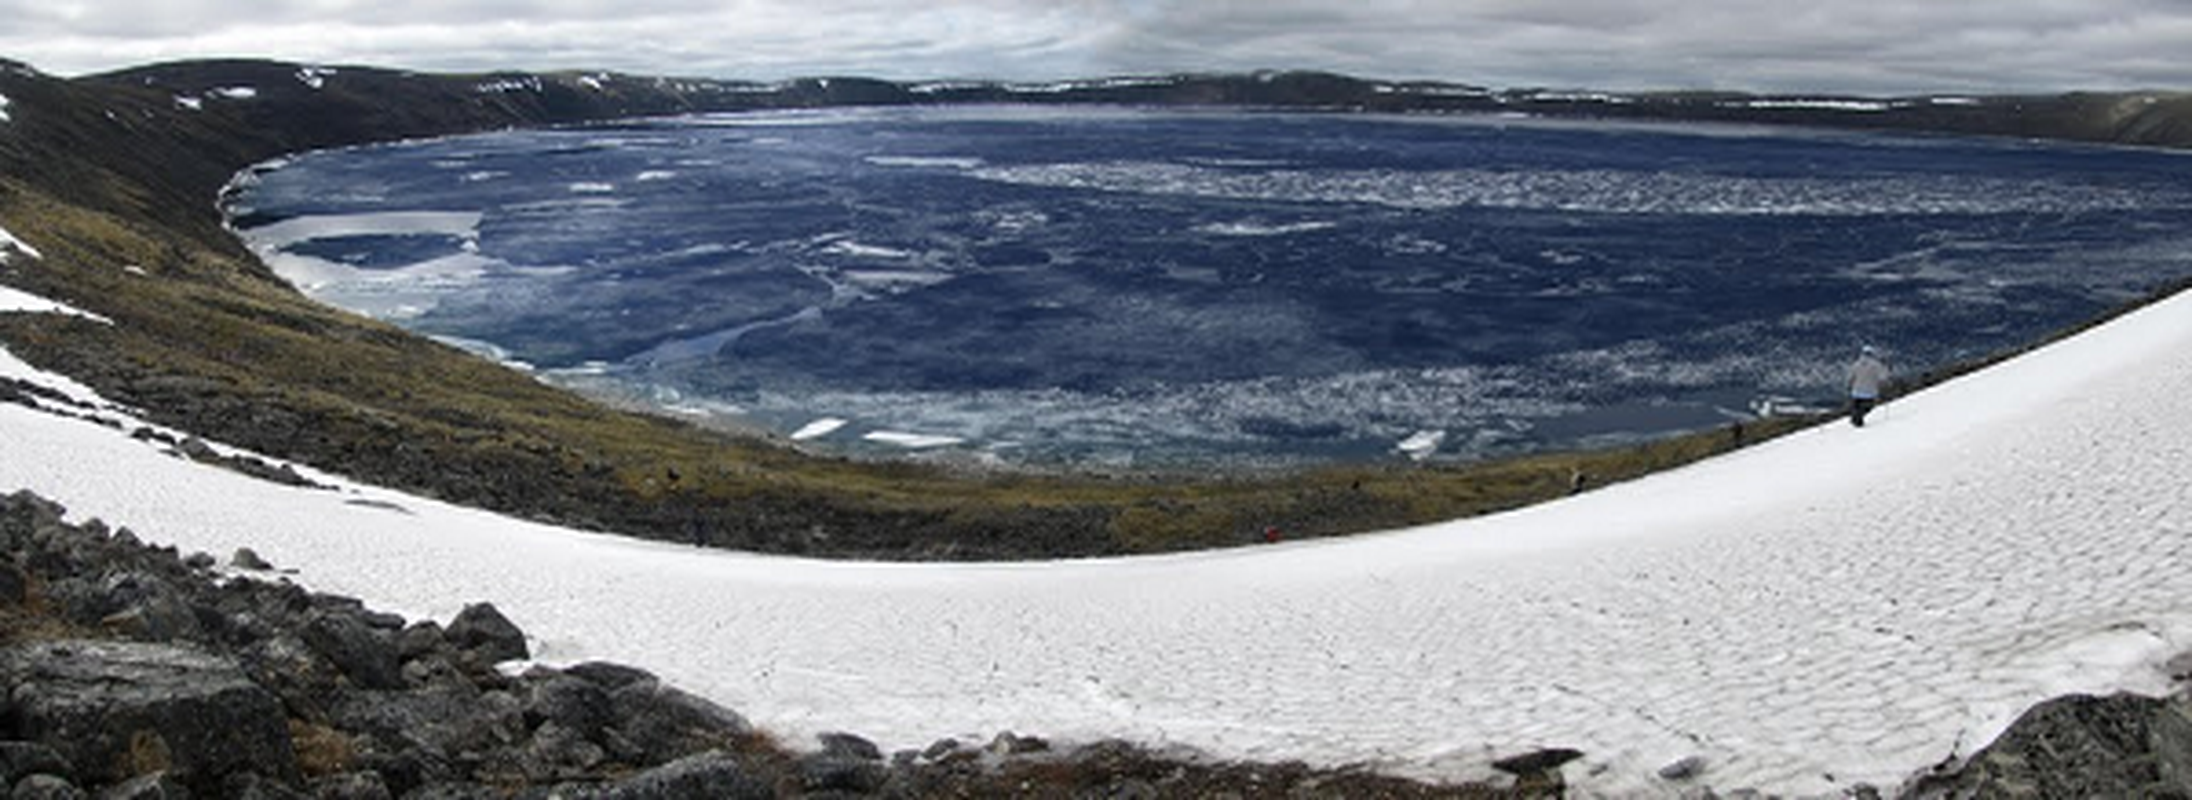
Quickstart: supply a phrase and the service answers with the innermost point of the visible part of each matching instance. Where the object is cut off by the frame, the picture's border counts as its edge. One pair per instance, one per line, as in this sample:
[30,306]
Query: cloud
[1822,45]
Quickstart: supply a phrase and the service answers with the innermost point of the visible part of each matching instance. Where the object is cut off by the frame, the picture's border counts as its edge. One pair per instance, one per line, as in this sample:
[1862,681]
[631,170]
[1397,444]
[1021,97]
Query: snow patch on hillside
[4,103]
[9,246]
[17,301]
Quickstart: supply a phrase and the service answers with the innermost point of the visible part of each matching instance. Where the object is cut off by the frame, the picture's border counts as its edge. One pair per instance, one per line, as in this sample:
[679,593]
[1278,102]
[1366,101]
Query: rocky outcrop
[2120,745]
[133,673]
[118,710]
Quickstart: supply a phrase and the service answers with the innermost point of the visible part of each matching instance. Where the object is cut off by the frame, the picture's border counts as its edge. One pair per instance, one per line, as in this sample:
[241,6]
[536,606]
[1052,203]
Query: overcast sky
[1858,46]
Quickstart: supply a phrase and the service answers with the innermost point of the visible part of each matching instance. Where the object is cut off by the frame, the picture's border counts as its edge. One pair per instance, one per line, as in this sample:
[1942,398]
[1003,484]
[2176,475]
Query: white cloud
[1825,45]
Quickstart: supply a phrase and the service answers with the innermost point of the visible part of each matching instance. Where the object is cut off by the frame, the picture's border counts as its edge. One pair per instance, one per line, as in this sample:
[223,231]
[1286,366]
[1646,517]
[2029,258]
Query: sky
[1846,46]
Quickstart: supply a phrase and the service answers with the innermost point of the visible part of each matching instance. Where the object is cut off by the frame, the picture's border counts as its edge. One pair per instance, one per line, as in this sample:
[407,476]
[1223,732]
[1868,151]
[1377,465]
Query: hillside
[111,178]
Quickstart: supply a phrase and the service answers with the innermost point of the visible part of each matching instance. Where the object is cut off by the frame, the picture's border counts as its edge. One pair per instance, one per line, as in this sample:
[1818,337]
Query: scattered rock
[483,630]
[253,786]
[247,558]
[2122,745]
[352,786]
[200,561]
[155,786]
[708,776]
[197,450]
[47,787]
[609,676]
[441,722]
[14,585]
[383,505]
[355,648]
[940,748]
[2179,667]
[20,760]
[422,638]
[1008,743]
[120,709]
[1537,773]
[382,620]
[825,773]
[1683,769]
[145,607]
[556,753]
[654,719]
[573,703]
[1537,761]
[845,745]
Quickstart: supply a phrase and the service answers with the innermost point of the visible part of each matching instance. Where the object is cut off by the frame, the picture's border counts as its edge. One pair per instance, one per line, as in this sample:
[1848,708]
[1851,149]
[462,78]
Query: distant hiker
[1867,374]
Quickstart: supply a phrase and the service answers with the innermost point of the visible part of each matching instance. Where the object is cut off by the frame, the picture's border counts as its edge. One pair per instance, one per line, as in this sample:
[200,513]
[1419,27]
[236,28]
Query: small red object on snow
[1271,535]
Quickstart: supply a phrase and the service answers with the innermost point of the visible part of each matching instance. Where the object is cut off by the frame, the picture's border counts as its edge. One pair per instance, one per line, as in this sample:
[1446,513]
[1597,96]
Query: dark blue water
[1163,288]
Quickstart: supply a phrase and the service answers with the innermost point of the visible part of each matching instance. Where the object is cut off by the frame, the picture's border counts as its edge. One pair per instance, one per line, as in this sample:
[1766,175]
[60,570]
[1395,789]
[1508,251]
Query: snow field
[1834,607]
[8,240]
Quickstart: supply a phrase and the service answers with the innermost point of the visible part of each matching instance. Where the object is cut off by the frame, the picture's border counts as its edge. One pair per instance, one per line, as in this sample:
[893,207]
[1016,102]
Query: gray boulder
[197,450]
[351,786]
[609,675]
[825,772]
[117,710]
[144,607]
[711,775]
[20,760]
[156,786]
[247,558]
[253,786]
[847,763]
[656,723]
[846,745]
[441,722]
[46,787]
[2122,745]
[14,585]
[357,649]
[421,639]
[293,671]
[482,630]
[556,753]
[574,704]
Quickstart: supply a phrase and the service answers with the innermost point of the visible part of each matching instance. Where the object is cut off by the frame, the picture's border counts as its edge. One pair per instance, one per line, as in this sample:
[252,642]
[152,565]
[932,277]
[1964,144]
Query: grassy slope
[109,172]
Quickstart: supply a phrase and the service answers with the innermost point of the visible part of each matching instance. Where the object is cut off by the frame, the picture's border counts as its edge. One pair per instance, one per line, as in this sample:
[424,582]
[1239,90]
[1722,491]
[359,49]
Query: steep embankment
[112,178]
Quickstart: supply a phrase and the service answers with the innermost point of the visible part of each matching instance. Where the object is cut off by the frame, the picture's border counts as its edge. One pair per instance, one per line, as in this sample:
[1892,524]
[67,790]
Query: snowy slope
[1834,607]
[9,246]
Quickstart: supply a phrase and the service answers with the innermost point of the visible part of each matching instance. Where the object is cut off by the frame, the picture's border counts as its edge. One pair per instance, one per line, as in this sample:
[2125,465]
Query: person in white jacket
[1867,377]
